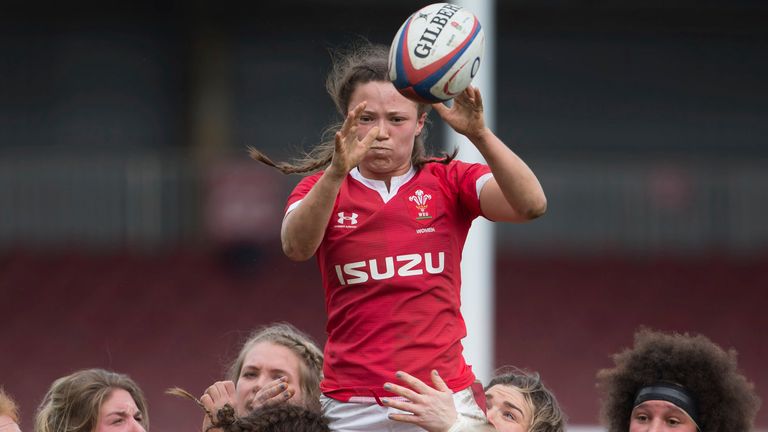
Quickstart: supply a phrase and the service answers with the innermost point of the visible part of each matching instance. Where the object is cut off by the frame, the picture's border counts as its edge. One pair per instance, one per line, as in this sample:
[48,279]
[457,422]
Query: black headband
[672,393]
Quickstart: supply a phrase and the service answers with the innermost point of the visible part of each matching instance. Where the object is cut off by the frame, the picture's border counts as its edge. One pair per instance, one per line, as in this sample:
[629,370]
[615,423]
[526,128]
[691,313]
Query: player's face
[508,410]
[119,413]
[8,425]
[264,363]
[399,123]
[660,416]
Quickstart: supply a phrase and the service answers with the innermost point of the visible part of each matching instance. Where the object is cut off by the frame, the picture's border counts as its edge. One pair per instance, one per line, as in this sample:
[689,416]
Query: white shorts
[368,417]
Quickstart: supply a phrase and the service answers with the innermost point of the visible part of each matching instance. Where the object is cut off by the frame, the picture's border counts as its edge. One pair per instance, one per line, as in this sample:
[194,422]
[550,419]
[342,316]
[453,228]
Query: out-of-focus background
[136,235]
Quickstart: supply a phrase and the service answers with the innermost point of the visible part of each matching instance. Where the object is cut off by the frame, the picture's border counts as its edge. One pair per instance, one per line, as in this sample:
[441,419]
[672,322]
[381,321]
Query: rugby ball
[436,53]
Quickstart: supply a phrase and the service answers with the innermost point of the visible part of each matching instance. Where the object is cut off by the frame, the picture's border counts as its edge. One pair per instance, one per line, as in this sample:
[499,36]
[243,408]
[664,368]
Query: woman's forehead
[268,354]
[509,393]
[381,95]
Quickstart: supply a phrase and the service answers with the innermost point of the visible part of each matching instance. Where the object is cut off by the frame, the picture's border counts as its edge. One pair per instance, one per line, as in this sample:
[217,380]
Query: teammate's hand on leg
[430,408]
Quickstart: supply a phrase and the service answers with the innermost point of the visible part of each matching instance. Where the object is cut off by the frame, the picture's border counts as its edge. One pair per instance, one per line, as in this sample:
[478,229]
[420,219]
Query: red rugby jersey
[390,264]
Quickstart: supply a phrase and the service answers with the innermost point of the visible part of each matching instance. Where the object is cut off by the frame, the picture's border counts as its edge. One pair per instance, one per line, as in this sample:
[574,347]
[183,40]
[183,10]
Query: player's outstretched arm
[514,194]
[429,408]
[304,227]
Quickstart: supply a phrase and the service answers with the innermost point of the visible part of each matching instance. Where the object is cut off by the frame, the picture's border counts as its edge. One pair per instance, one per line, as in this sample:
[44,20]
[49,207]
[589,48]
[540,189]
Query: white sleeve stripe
[293,206]
[479,183]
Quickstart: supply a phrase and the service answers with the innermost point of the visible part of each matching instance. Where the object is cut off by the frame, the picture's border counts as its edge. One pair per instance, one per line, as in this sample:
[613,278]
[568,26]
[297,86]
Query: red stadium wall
[174,319]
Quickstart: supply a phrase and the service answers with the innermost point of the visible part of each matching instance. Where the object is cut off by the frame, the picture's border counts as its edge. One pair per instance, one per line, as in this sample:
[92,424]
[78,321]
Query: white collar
[380,186]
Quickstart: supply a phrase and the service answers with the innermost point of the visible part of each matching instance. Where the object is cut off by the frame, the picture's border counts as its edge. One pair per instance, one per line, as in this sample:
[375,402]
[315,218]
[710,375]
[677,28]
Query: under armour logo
[351,219]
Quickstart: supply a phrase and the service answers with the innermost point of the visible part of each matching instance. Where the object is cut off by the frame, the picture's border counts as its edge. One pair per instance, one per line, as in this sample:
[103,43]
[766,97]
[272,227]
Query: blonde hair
[8,406]
[73,402]
[310,356]
[547,416]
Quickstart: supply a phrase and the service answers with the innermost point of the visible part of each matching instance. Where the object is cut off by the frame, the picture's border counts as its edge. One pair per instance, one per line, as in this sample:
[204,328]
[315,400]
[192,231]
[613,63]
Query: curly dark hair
[281,417]
[271,418]
[726,400]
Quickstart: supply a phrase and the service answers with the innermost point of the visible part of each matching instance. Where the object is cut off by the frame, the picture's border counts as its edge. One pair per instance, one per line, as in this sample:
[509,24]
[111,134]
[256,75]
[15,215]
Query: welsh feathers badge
[422,205]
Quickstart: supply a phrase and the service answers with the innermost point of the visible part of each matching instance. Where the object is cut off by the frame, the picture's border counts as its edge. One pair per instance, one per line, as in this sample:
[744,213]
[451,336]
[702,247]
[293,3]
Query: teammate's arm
[514,194]
[304,227]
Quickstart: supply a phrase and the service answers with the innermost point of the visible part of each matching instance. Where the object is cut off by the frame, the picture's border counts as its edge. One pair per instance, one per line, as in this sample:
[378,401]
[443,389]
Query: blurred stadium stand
[135,235]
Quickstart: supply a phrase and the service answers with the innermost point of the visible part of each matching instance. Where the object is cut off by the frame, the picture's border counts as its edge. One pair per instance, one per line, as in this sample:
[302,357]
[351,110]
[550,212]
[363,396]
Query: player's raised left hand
[465,115]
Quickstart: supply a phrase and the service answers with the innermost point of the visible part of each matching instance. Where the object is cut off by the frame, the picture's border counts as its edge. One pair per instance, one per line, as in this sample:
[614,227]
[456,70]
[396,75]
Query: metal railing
[149,200]
[94,201]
